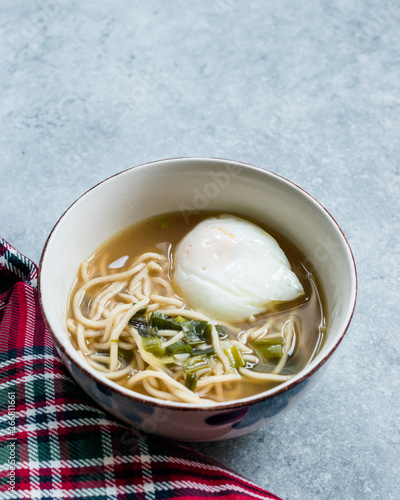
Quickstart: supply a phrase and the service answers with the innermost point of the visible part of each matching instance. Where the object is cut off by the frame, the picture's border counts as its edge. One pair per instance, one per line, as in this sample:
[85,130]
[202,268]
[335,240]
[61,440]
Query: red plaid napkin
[54,441]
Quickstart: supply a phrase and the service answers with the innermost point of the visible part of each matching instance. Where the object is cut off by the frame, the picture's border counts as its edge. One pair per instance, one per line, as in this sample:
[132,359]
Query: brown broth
[162,233]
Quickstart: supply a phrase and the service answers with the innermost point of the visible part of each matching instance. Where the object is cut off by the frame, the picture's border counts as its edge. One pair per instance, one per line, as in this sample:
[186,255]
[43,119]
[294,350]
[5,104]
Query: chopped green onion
[272,351]
[138,318]
[114,340]
[165,224]
[191,381]
[124,354]
[153,345]
[164,360]
[163,322]
[208,333]
[167,360]
[196,363]
[235,357]
[144,329]
[195,326]
[152,331]
[191,336]
[140,323]
[194,331]
[269,347]
[222,331]
[209,351]
[179,348]
[193,339]
[179,319]
[268,341]
[140,312]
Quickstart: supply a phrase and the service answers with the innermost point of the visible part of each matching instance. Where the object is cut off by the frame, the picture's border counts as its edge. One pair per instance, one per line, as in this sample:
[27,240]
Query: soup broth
[239,359]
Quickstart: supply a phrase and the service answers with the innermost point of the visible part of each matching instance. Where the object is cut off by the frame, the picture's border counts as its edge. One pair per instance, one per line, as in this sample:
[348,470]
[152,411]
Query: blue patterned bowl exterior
[190,424]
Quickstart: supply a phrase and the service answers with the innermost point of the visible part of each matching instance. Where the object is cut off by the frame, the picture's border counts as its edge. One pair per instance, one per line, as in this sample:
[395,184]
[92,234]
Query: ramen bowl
[185,185]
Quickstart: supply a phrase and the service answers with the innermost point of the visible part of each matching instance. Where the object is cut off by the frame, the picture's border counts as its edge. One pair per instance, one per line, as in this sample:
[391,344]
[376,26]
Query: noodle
[188,313]
[98,304]
[116,332]
[251,358]
[71,325]
[121,308]
[107,310]
[164,284]
[153,307]
[139,360]
[217,379]
[270,377]
[189,396]
[153,266]
[289,325]
[221,355]
[174,339]
[166,300]
[147,288]
[126,296]
[80,337]
[84,270]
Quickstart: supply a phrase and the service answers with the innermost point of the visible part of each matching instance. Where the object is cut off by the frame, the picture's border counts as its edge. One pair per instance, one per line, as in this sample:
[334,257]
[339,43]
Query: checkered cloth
[55,443]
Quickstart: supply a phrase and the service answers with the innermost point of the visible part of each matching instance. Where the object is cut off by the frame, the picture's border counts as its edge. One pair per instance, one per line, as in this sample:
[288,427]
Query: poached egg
[230,269]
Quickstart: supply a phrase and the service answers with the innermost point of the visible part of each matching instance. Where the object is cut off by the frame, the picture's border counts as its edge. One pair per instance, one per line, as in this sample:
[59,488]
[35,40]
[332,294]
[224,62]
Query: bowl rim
[180,406]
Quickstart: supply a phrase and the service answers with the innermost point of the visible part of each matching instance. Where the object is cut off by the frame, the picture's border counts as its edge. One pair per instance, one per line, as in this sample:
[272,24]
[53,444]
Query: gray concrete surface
[309,90]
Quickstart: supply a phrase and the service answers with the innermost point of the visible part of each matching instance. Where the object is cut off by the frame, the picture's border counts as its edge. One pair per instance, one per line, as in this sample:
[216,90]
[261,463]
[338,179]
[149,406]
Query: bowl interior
[198,184]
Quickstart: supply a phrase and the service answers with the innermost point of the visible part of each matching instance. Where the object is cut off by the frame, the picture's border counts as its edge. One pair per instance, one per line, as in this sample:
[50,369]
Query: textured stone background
[309,90]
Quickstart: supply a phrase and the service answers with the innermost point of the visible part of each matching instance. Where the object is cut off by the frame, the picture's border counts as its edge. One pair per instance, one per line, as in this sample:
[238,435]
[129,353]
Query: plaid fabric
[55,443]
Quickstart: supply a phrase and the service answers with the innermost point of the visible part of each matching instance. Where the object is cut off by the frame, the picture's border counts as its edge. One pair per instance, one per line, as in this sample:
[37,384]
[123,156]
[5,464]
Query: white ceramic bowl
[185,184]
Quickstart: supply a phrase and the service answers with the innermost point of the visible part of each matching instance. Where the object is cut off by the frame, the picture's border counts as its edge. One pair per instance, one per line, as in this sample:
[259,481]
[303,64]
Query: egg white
[231,269]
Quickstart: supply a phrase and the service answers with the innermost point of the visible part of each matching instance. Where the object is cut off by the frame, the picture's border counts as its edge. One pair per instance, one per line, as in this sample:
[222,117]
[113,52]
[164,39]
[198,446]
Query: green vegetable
[140,323]
[208,333]
[124,354]
[153,345]
[209,351]
[163,322]
[268,341]
[191,381]
[270,347]
[165,360]
[272,351]
[222,331]
[144,329]
[196,363]
[139,315]
[193,339]
[114,340]
[179,319]
[138,318]
[179,348]
[140,312]
[194,331]
[152,331]
[235,357]
[195,326]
